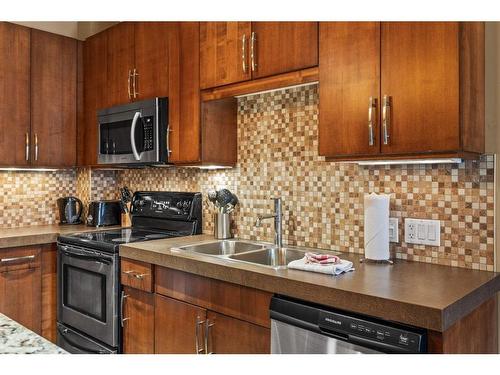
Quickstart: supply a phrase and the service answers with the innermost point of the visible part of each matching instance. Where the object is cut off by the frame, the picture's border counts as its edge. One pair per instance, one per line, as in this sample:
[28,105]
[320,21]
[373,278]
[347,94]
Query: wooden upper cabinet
[15,94]
[151,59]
[427,77]
[53,99]
[420,76]
[95,96]
[184,92]
[280,47]
[224,53]
[120,63]
[349,75]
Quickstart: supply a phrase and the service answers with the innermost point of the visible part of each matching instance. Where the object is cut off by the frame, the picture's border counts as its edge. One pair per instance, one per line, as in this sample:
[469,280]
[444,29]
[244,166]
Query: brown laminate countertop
[40,234]
[419,294]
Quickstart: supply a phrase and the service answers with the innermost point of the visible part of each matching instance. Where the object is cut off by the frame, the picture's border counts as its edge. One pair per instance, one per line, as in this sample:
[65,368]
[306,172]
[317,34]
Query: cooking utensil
[224,197]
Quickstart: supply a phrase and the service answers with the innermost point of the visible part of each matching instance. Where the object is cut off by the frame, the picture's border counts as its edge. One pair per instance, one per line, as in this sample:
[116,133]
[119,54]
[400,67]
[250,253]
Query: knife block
[126,221]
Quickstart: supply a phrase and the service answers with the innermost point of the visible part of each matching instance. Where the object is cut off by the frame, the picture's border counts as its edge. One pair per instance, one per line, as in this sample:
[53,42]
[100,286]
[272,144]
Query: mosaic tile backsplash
[323,201]
[30,198]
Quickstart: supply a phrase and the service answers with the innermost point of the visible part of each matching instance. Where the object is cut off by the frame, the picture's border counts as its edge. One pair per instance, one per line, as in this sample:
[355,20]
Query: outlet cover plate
[423,232]
[393,229]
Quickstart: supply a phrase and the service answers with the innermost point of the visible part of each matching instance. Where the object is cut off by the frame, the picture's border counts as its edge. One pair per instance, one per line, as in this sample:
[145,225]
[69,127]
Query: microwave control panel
[148,133]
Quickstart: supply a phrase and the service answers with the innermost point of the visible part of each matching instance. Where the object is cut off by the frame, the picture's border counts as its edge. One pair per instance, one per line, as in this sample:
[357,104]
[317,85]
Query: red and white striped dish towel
[322,263]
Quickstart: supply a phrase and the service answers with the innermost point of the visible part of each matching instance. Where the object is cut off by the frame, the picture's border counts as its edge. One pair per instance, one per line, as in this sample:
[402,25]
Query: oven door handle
[88,257]
[79,347]
[137,156]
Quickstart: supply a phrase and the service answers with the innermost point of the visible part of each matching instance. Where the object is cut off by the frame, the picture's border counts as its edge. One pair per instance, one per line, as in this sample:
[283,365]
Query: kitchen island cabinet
[138,321]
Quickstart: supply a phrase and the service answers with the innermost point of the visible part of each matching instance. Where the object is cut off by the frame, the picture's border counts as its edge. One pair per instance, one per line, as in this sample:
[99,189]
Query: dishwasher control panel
[353,328]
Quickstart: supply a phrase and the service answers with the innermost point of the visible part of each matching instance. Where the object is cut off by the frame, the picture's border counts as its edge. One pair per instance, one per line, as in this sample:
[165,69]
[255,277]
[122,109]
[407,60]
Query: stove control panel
[167,205]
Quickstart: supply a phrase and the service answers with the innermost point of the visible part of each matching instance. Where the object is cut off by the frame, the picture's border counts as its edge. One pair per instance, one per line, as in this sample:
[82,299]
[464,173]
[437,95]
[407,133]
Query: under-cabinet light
[410,161]
[16,169]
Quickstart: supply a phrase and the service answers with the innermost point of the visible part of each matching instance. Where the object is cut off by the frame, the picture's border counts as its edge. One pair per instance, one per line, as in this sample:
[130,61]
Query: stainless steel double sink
[263,254]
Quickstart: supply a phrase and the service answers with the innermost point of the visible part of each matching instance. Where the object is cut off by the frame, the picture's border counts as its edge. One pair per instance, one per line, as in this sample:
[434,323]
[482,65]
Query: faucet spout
[277,216]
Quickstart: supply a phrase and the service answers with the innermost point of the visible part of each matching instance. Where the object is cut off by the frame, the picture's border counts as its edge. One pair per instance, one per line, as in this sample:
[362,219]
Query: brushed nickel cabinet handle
[17,259]
[386,118]
[27,141]
[134,83]
[244,53]
[372,119]
[208,325]
[135,274]
[253,40]
[36,146]
[169,150]
[122,301]
[199,323]
[128,84]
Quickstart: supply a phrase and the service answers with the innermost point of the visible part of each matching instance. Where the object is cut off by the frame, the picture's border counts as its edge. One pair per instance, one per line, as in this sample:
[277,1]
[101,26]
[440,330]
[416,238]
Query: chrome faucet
[278,240]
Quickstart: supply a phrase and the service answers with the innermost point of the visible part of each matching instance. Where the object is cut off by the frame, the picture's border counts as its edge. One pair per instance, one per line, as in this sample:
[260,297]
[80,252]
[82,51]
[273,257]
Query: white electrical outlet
[393,229]
[423,232]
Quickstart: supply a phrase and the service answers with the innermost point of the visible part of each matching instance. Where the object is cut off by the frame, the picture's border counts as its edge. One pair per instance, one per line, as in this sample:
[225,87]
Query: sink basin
[271,257]
[226,247]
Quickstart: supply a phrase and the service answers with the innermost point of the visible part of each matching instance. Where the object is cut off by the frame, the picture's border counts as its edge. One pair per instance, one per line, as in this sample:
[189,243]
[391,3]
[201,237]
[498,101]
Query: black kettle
[70,210]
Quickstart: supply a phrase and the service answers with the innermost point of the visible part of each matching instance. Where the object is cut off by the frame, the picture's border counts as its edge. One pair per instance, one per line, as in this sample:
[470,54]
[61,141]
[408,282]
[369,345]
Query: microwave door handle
[137,156]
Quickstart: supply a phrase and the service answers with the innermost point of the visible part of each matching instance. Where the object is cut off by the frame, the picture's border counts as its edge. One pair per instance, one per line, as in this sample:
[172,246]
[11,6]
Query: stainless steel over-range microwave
[134,133]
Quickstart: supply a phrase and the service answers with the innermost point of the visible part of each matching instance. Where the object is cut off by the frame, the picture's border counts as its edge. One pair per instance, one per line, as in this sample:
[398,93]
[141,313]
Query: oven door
[88,288]
[129,137]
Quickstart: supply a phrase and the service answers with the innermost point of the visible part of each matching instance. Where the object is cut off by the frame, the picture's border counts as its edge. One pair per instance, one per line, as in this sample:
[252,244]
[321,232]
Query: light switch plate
[393,229]
[423,232]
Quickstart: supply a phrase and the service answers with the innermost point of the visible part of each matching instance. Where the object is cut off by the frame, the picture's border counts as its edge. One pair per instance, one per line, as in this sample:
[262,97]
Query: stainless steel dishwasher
[301,328]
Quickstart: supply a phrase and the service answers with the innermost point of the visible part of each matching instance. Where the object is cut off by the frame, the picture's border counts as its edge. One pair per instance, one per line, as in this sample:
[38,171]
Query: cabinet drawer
[137,274]
[19,258]
[248,304]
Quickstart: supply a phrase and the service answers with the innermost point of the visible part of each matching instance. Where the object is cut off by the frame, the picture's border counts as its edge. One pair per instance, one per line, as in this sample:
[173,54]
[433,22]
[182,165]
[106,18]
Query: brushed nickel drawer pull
[27,141]
[372,107]
[36,146]
[122,301]
[253,58]
[134,82]
[128,84]
[135,274]
[17,259]
[208,325]
[197,335]
[386,118]
[244,52]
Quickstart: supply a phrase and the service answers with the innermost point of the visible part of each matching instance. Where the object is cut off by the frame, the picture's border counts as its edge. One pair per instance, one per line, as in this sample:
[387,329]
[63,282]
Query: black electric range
[89,318]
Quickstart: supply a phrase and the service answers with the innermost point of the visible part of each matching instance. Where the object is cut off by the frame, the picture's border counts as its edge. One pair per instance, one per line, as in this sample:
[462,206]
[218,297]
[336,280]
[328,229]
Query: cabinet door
[138,328]
[184,92]
[281,47]
[420,75]
[53,99]
[349,72]
[20,286]
[224,53]
[179,327]
[15,94]
[120,51]
[151,59]
[95,95]
[228,335]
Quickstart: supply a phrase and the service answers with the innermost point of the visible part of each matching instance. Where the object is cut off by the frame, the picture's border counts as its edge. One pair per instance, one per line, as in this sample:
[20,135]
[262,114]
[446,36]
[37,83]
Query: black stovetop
[109,240]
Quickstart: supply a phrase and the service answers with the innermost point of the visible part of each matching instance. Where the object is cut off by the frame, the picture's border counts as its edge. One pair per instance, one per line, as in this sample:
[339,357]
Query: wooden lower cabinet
[179,327]
[49,292]
[228,335]
[20,287]
[139,322]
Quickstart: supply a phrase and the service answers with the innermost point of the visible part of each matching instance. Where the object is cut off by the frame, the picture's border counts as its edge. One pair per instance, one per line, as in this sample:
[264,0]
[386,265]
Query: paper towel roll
[377,226]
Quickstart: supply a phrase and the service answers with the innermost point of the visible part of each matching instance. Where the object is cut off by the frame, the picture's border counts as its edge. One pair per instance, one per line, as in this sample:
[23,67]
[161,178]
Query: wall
[323,201]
